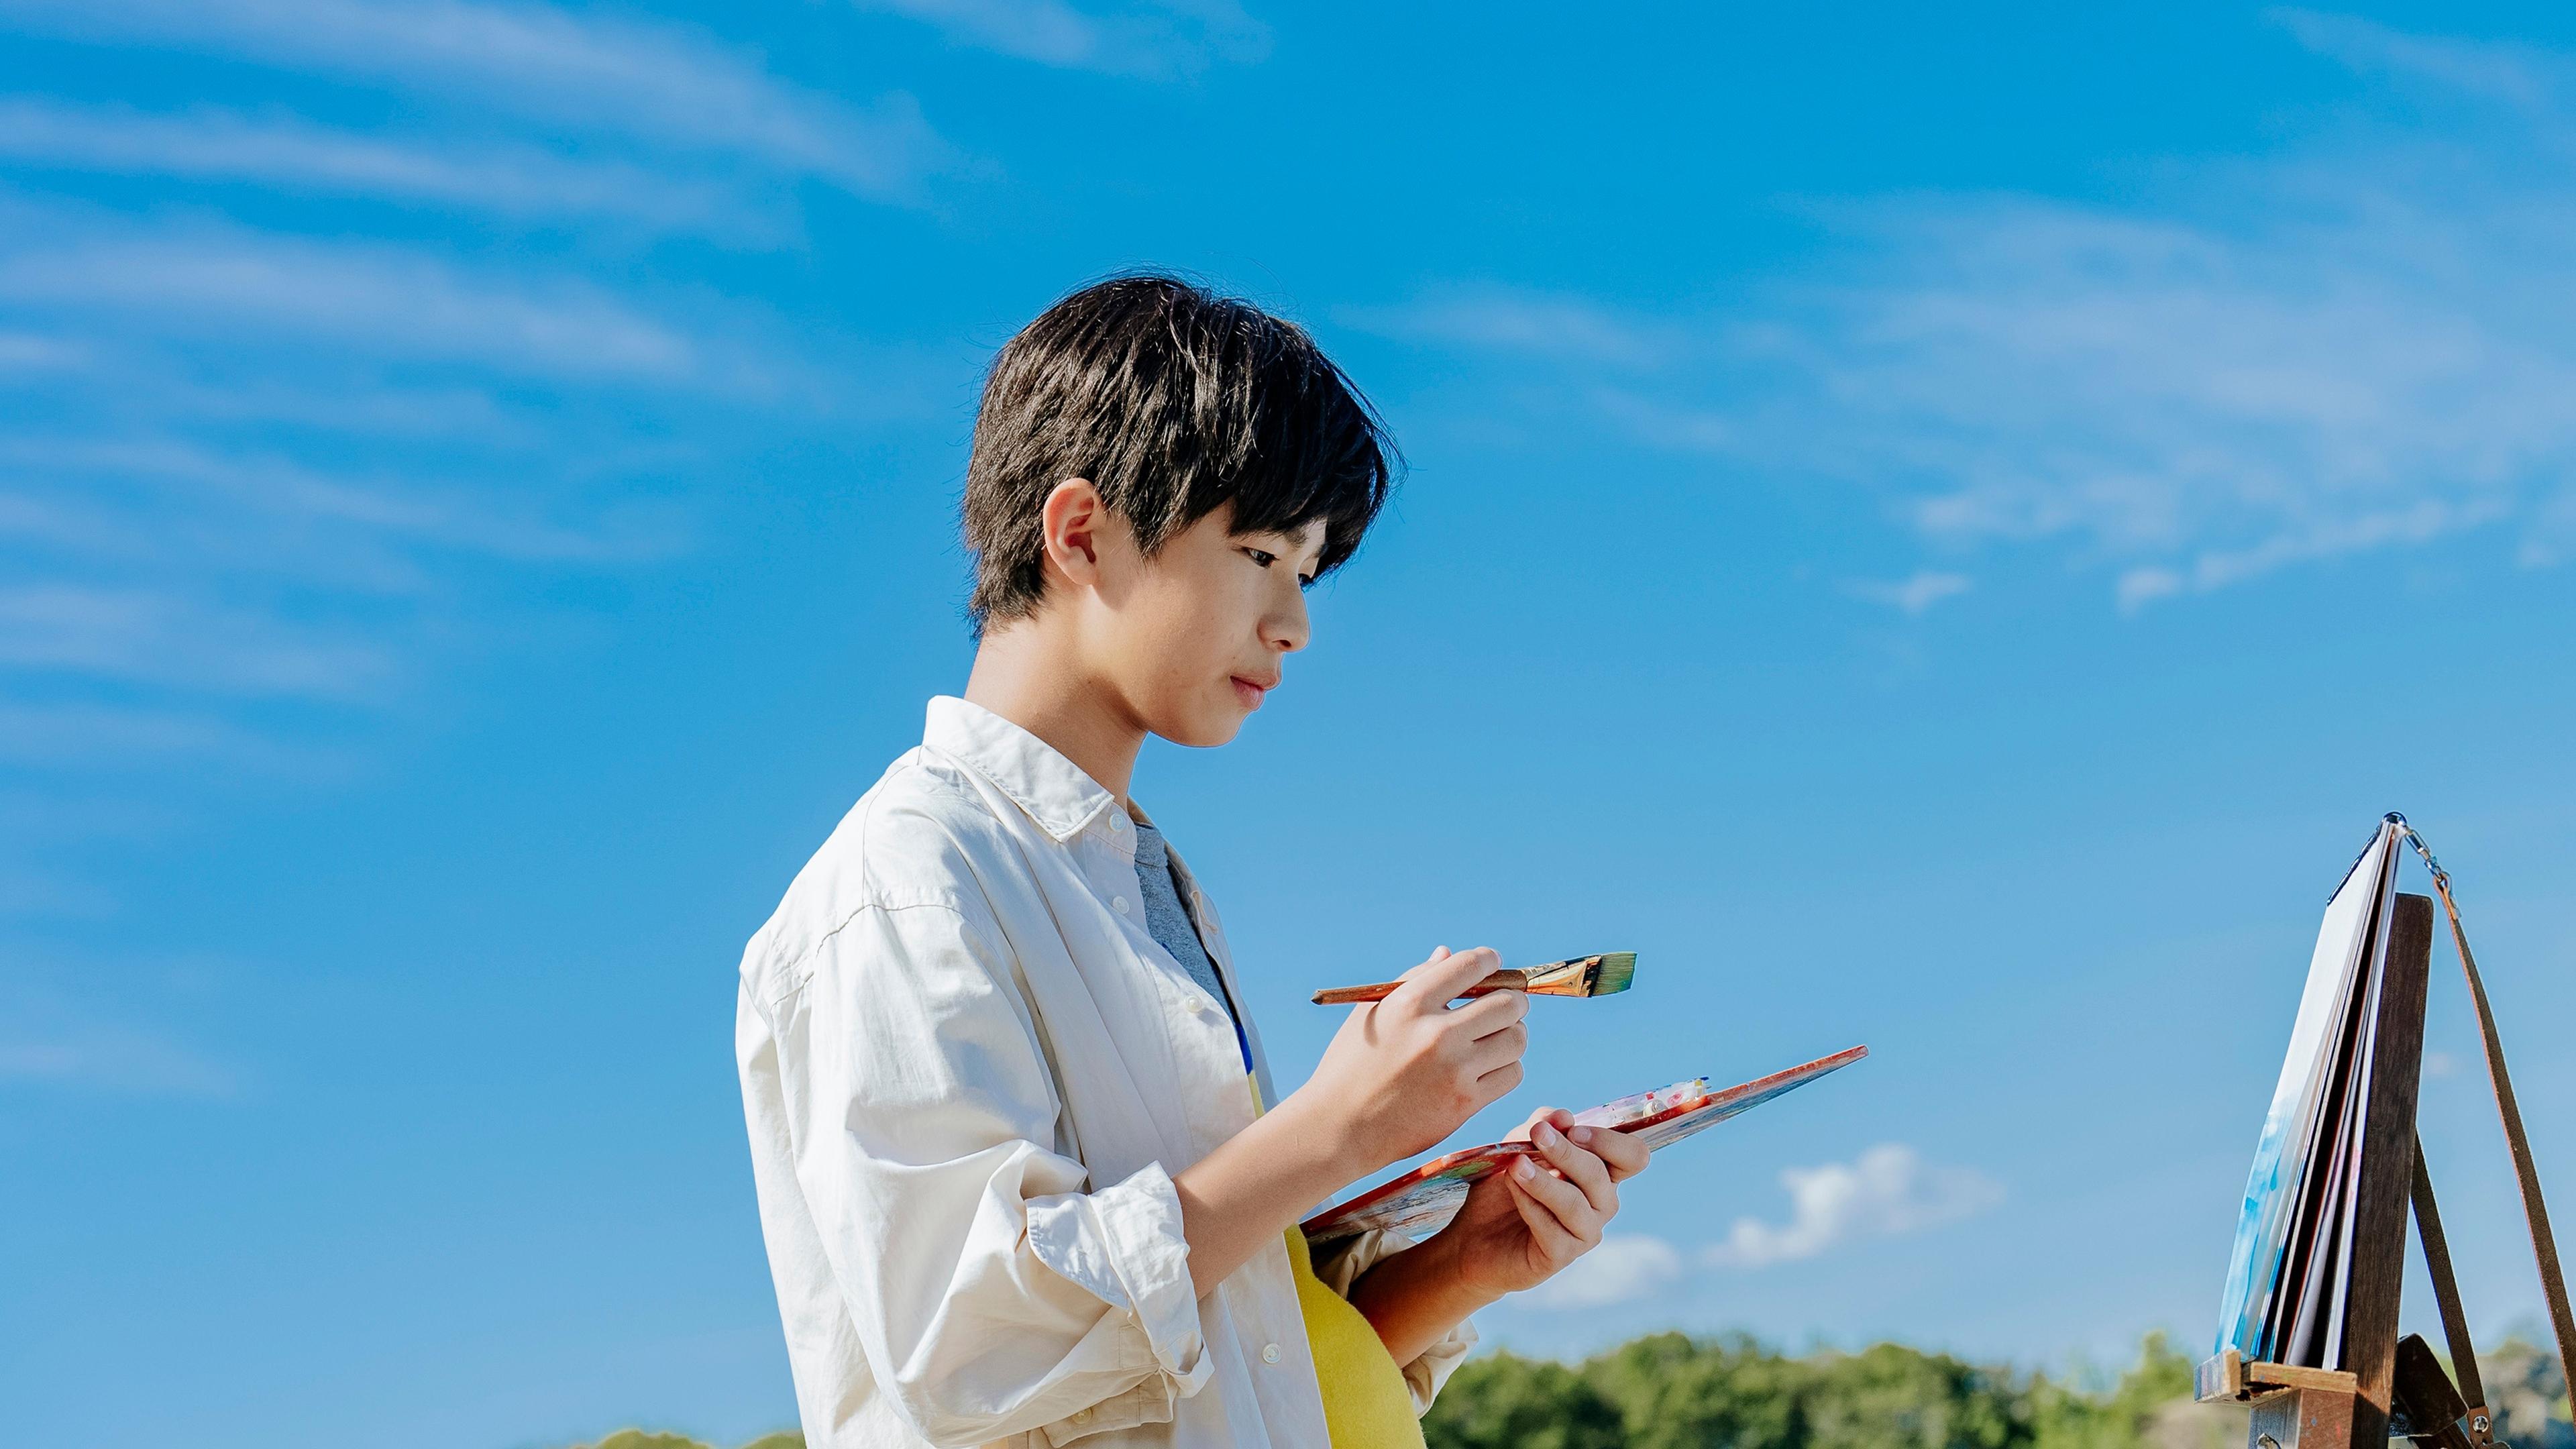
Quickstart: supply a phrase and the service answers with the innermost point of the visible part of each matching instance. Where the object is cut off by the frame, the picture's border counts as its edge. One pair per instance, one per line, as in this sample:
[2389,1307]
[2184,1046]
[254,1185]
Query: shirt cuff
[1123,1244]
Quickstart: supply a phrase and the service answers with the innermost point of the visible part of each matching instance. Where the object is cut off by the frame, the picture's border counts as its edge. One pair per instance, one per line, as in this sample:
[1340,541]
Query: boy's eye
[1266,558]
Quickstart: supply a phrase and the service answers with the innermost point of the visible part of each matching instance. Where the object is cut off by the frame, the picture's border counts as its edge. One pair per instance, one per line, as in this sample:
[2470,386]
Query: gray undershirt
[1166,919]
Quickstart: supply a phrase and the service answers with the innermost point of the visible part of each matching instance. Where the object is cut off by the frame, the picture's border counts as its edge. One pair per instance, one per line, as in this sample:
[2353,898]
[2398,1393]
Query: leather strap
[2446,1288]
[2553,1282]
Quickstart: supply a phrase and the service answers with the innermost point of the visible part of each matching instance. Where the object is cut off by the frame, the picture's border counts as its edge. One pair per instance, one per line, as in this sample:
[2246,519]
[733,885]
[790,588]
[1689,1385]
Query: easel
[2386,1386]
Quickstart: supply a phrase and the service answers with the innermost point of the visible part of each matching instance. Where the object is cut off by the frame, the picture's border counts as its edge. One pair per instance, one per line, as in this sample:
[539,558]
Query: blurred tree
[1672,1391]
[1503,1401]
[1675,1392]
[2528,1392]
[1893,1397]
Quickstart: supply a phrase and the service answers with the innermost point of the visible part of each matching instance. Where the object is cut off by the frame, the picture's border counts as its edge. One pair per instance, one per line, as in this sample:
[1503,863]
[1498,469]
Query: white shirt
[970,1074]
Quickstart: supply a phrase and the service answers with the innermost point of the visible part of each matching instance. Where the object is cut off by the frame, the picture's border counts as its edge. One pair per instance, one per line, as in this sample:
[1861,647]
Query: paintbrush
[1583,976]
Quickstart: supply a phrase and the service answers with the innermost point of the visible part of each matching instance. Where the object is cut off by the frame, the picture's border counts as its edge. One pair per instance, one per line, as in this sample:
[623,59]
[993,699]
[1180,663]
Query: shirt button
[1193,1005]
[1270,1353]
[1119,905]
[1117,821]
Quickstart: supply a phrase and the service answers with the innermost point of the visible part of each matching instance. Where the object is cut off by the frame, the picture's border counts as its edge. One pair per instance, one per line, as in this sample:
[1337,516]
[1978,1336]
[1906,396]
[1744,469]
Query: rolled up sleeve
[1338,1265]
[994,1289]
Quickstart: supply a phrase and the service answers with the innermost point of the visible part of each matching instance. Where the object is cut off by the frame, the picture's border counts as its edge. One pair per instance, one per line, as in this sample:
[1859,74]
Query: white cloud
[34,352]
[181,478]
[656,82]
[47,1040]
[1916,594]
[256,487]
[216,145]
[2361,344]
[1887,1191]
[1620,1268]
[65,734]
[372,299]
[160,636]
[1152,39]
[2514,73]
[253,480]
[1509,320]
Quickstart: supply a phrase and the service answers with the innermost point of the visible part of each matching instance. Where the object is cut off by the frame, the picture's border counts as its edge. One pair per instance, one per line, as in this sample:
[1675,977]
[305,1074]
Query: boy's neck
[1035,682]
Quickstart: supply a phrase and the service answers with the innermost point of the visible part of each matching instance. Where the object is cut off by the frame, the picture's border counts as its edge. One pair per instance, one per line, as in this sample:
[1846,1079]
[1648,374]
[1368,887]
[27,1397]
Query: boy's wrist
[1449,1263]
[1309,1127]
[1418,1296]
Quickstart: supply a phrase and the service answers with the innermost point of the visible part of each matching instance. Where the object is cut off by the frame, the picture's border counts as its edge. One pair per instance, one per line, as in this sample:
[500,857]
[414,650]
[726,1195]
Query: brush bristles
[1585,975]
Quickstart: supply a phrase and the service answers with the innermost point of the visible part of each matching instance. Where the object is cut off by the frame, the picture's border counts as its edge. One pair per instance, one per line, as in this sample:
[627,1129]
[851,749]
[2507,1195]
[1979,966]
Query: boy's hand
[1524,1224]
[1405,1072]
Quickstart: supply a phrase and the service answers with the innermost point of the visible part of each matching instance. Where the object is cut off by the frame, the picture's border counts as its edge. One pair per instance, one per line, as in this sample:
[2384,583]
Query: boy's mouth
[1252,691]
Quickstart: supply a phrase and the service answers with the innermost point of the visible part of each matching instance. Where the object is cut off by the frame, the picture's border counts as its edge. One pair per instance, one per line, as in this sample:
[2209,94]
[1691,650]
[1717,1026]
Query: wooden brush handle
[1507,979]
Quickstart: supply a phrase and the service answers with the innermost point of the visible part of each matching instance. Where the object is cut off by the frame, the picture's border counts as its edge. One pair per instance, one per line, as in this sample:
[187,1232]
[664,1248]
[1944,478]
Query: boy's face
[1194,637]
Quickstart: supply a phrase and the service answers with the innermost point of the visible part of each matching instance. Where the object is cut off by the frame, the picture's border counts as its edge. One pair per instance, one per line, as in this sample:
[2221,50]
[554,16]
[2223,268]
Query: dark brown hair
[1173,401]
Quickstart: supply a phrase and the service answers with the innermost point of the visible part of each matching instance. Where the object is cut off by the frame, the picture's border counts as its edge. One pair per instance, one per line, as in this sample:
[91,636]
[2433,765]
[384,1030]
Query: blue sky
[1940,528]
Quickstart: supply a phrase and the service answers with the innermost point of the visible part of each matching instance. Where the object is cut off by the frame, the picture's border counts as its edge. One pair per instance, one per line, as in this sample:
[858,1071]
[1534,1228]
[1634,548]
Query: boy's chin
[1203,729]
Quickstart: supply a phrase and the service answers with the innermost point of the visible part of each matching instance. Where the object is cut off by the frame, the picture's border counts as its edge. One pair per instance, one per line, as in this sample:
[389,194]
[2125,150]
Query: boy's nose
[1289,627]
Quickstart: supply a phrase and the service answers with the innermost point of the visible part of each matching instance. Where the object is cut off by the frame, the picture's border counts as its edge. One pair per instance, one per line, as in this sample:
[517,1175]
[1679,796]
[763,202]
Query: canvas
[2278,1303]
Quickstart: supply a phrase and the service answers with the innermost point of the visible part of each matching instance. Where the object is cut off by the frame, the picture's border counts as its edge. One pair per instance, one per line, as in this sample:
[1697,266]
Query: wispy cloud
[54,736]
[45,1040]
[2522,75]
[1916,594]
[271,463]
[2361,344]
[372,299]
[165,637]
[1504,319]
[152,546]
[298,156]
[657,82]
[25,352]
[1170,38]
[1888,1191]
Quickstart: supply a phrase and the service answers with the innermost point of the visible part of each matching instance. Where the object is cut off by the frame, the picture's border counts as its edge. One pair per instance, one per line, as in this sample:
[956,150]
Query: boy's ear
[1074,517]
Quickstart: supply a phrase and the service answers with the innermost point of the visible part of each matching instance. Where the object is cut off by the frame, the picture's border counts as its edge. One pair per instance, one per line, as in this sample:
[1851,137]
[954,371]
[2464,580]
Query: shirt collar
[1052,789]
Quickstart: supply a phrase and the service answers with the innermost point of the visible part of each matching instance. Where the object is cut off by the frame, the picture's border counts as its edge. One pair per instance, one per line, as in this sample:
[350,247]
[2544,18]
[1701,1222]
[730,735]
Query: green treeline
[1673,1391]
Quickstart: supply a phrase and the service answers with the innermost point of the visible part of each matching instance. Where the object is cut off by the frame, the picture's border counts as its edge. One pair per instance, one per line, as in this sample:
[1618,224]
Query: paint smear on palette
[1422,1201]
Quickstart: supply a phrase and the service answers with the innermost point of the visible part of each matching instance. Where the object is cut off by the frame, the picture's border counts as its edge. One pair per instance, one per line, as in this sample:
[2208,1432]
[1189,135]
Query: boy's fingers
[1435,983]
[1621,1152]
[1489,1052]
[1562,1200]
[1491,1013]
[1550,1235]
[1494,1084]
[1580,1167]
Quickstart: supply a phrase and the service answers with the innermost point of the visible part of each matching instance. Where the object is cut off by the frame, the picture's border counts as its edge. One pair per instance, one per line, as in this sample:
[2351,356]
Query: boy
[1008,1122]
